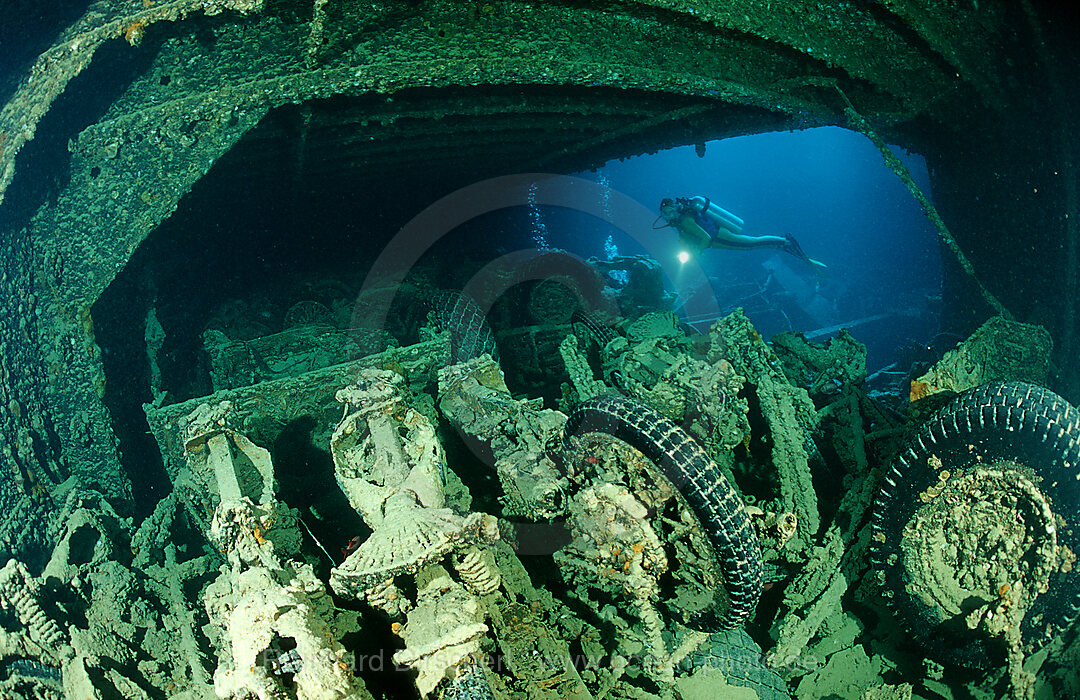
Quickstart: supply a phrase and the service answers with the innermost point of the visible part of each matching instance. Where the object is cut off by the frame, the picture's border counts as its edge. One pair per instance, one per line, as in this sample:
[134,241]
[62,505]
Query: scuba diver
[702,224]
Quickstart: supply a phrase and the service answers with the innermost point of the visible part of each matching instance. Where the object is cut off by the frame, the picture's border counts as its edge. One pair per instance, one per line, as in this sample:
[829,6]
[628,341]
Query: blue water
[830,189]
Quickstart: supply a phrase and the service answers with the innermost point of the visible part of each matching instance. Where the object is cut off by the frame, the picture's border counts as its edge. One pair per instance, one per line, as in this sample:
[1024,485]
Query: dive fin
[819,267]
[792,246]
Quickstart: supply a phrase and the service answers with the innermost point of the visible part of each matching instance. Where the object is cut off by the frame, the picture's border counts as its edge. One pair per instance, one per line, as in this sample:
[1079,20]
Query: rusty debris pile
[500,557]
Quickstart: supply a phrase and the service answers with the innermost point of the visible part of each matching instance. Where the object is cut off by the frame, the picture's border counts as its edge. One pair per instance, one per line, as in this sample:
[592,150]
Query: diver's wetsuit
[702,224]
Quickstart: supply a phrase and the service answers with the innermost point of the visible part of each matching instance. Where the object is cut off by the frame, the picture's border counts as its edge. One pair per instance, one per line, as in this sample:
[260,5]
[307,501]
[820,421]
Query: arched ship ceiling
[136,102]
